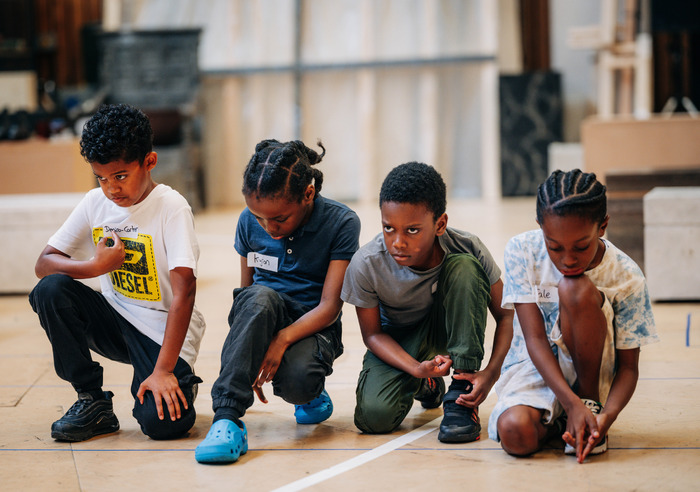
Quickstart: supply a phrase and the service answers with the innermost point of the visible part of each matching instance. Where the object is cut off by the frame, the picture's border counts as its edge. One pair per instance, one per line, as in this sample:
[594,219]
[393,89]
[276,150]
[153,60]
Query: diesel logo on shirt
[137,277]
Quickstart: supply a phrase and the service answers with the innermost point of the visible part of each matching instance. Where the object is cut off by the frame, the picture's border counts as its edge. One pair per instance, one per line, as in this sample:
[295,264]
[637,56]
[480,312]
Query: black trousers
[257,314]
[77,319]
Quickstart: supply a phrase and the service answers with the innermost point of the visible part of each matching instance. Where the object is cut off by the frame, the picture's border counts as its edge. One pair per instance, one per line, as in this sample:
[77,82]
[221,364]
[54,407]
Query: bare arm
[325,313]
[162,382]
[503,334]
[106,259]
[246,273]
[624,383]
[580,421]
[541,353]
[387,349]
[621,391]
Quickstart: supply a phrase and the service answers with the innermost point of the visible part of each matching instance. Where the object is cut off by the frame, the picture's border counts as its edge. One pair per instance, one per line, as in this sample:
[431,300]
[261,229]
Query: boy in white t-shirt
[138,237]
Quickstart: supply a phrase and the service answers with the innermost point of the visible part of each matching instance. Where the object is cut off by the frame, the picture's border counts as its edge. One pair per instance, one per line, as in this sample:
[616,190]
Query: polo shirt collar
[316,220]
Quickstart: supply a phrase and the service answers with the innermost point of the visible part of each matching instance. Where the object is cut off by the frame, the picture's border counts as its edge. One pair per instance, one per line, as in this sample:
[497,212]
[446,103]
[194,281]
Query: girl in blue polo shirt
[285,327]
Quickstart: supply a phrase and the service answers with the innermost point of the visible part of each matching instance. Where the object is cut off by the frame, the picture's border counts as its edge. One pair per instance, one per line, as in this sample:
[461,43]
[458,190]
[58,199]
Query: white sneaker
[602,446]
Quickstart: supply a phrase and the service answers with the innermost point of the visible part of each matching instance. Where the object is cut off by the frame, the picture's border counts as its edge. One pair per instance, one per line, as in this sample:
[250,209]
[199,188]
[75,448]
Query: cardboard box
[661,142]
[26,224]
[44,166]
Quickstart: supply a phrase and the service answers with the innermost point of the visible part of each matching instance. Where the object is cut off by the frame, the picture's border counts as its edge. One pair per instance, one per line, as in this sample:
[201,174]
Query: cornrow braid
[572,193]
[283,168]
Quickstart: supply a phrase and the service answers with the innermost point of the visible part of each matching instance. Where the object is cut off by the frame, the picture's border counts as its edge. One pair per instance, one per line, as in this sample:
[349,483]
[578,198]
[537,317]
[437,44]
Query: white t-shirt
[158,235]
[530,276]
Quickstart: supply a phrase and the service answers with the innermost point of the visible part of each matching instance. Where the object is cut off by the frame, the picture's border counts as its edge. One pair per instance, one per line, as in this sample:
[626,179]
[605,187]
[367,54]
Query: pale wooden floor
[655,444]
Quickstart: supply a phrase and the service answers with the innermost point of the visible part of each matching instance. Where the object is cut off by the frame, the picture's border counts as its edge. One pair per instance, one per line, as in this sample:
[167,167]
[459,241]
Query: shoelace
[78,406]
[593,406]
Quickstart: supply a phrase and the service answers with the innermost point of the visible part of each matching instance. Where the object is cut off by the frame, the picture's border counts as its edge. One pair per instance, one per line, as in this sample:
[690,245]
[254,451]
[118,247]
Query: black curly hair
[416,183]
[116,132]
[572,193]
[283,168]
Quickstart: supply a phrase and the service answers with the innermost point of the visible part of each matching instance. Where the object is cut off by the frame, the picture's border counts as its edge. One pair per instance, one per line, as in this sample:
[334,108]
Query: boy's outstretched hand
[164,386]
[437,366]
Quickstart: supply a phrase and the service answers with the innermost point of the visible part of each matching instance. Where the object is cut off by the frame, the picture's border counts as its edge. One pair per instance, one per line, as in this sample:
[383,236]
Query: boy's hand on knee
[164,387]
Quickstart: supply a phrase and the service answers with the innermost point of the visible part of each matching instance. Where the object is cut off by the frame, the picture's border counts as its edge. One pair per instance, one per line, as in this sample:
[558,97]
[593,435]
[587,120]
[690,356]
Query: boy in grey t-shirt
[421,292]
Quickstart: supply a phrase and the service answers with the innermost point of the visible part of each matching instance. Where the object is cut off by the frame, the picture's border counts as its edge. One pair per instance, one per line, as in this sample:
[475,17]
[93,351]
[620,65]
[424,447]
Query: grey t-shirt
[404,295]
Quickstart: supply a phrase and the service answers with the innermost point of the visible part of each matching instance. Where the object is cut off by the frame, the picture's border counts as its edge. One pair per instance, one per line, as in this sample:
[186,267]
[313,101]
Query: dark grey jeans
[257,314]
[77,319]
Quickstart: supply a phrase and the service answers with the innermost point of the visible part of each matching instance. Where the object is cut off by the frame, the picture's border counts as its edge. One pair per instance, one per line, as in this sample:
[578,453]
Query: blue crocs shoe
[224,443]
[316,411]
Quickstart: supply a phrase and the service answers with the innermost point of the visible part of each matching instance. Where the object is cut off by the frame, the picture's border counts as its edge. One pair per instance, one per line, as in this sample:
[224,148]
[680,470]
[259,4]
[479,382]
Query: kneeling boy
[138,237]
[421,291]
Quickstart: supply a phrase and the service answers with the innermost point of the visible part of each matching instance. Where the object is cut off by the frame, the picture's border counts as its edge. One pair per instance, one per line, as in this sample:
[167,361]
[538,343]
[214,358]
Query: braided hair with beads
[282,169]
[572,193]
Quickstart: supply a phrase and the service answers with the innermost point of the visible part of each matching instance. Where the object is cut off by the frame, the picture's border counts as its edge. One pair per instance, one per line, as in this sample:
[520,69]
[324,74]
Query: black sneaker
[86,418]
[431,392]
[459,424]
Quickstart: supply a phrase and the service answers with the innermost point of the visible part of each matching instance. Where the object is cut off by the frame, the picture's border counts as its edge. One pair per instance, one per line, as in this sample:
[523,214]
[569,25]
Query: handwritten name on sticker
[264,262]
[547,293]
[130,231]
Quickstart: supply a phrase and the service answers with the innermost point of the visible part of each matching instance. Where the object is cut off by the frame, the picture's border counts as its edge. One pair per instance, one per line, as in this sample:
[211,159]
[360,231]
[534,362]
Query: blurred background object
[158,71]
[481,89]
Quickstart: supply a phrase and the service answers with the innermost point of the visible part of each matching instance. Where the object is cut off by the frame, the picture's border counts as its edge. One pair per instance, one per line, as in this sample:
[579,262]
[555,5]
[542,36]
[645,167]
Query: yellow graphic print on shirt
[137,277]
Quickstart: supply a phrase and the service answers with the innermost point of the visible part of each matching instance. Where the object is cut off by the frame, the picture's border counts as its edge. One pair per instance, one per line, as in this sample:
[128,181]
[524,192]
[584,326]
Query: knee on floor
[518,434]
[375,418]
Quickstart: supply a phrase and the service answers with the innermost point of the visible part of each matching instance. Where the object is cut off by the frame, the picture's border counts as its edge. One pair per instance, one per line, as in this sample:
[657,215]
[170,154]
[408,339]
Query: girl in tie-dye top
[582,314]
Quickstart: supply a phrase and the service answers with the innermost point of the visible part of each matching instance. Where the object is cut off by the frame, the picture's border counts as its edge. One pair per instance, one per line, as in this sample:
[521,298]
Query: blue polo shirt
[297,265]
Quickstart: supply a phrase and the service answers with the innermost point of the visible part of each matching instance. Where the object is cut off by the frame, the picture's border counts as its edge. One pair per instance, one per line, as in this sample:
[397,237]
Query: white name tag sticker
[264,262]
[547,293]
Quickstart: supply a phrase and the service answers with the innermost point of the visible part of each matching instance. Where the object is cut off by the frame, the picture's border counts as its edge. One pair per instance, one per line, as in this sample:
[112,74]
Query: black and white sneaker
[87,418]
[431,392]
